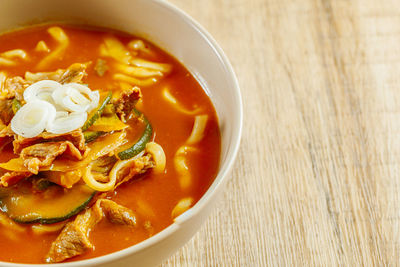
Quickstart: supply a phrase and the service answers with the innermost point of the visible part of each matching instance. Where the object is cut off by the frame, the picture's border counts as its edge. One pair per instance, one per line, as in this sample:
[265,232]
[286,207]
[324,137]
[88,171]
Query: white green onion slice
[32,118]
[41,91]
[76,97]
[65,122]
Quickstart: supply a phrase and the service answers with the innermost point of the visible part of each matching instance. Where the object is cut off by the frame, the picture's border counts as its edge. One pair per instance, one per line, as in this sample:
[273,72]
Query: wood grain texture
[317,178]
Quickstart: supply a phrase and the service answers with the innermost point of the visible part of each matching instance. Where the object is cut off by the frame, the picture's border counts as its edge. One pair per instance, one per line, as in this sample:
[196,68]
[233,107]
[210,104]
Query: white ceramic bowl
[178,34]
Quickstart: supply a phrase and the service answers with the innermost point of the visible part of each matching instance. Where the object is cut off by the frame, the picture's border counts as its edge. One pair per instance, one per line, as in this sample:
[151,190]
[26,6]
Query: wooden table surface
[316,181]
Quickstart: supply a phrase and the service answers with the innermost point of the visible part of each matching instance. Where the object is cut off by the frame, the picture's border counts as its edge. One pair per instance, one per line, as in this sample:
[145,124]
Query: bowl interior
[168,28]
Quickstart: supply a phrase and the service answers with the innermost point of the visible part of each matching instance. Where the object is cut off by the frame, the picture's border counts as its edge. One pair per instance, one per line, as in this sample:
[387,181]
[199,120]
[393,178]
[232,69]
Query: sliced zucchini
[94,115]
[16,105]
[90,136]
[140,145]
[41,184]
[54,204]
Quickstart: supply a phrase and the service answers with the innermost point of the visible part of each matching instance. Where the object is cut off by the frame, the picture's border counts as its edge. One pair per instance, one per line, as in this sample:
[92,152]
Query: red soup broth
[159,193]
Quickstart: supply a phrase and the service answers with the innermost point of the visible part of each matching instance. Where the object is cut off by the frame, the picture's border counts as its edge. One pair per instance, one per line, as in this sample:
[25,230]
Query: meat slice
[43,154]
[6,112]
[137,166]
[74,238]
[14,87]
[76,137]
[126,102]
[6,131]
[6,135]
[73,74]
[115,213]
[11,178]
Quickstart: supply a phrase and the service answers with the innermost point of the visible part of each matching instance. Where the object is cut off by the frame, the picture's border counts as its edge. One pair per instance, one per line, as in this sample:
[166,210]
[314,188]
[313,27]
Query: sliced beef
[14,87]
[101,168]
[116,213]
[73,239]
[75,137]
[6,132]
[126,102]
[11,178]
[138,166]
[43,154]
[6,112]
[73,74]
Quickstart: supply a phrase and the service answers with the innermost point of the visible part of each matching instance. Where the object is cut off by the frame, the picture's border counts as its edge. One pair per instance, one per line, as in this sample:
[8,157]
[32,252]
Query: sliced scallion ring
[32,118]
[76,97]
[41,91]
[65,122]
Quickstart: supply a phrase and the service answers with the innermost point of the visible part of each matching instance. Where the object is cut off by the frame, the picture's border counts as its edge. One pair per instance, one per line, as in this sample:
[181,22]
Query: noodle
[165,68]
[15,53]
[112,47]
[119,166]
[134,81]
[199,126]
[2,80]
[183,205]
[182,151]
[158,155]
[63,41]
[41,229]
[181,167]
[90,180]
[183,170]
[42,47]
[138,71]
[11,227]
[138,45]
[102,150]
[5,57]
[104,51]
[6,62]
[170,98]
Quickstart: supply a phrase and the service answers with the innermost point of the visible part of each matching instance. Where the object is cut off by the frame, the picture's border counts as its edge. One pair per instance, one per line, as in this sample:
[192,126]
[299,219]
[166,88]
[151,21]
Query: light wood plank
[317,179]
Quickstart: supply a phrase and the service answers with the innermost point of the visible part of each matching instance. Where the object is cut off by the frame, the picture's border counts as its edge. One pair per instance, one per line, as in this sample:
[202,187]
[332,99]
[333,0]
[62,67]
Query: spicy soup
[168,101]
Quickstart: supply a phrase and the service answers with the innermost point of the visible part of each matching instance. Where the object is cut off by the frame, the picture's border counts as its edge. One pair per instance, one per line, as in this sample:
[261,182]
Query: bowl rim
[219,179]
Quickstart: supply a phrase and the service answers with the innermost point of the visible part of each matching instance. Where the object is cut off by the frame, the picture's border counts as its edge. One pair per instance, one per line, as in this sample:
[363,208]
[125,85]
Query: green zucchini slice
[90,136]
[94,115]
[54,204]
[16,105]
[140,145]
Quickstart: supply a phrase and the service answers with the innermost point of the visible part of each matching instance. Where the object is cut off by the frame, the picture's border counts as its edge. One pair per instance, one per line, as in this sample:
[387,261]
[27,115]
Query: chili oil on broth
[151,196]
